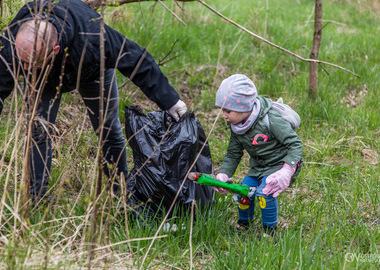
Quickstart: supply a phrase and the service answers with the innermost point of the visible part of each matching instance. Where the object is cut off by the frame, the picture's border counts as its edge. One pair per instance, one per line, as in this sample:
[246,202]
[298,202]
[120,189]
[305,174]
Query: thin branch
[322,67]
[167,61]
[327,22]
[175,16]
[162,61]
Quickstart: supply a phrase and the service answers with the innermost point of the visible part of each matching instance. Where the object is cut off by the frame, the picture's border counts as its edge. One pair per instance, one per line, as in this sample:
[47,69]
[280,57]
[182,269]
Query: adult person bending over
[68,44]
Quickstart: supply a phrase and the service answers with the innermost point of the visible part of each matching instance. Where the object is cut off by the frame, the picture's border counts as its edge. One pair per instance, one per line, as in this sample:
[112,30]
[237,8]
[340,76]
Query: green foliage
[8,9]
[329,219]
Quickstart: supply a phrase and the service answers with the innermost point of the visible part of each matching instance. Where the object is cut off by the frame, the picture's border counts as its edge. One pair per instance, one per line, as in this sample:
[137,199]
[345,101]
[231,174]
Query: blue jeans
[268,204]
[114,148]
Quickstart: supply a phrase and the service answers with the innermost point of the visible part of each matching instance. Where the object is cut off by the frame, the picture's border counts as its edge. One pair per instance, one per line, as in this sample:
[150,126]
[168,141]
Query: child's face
[233,117]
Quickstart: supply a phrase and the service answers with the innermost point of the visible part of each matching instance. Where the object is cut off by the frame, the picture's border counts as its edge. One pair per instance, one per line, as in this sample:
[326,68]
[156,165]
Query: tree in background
[313,73]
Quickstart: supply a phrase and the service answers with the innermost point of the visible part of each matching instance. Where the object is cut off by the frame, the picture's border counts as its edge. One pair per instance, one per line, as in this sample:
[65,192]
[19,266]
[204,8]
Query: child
[275,153]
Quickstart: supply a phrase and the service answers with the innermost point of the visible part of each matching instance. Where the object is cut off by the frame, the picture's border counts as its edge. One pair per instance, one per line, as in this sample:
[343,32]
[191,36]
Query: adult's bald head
[36,42]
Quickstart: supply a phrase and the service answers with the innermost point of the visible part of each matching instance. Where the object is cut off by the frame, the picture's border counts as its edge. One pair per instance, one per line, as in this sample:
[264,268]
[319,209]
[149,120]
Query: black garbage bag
[163,152]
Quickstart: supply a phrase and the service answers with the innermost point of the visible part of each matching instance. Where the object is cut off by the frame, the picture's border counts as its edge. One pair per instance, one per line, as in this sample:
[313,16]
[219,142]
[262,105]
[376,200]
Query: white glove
[177,110]
[278,181]
[224,178]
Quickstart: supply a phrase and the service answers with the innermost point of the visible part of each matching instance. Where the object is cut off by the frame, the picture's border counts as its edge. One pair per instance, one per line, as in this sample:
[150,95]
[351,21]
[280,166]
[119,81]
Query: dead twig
[162,61]
[175,15]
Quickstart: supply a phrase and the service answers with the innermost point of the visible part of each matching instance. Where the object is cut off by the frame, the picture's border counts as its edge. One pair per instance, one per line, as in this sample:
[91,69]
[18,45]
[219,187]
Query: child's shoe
[269,231]
[242,225]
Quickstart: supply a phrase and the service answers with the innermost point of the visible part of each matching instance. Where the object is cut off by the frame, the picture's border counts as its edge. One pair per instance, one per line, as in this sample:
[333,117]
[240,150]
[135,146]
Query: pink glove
[278,181]
[221,177]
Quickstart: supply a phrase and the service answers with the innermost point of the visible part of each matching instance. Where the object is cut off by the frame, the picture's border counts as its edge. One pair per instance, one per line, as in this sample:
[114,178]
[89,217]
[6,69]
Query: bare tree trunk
[313,75]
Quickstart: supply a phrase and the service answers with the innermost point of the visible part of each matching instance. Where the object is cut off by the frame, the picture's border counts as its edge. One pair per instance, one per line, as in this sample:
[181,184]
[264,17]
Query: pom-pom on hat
[236,93]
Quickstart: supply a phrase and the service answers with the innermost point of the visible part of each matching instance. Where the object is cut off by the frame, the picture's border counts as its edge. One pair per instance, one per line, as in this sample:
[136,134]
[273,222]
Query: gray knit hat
[236,93]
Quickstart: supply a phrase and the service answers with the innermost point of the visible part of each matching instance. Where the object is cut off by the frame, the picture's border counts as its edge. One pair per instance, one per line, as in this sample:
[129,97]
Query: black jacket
[78,27]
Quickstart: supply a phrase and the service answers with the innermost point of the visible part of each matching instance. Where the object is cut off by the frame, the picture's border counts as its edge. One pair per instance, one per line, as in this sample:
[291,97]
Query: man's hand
[278,181]
[178,110]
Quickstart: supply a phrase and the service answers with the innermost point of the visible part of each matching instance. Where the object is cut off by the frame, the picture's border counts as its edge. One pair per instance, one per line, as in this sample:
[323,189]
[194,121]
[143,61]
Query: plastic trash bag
[163,152]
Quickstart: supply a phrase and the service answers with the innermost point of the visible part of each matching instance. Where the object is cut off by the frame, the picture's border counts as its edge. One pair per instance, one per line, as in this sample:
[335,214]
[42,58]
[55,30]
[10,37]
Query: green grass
[329,216]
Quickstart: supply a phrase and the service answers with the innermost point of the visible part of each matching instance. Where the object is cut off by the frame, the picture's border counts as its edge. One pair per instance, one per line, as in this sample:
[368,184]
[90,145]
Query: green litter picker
[208,180]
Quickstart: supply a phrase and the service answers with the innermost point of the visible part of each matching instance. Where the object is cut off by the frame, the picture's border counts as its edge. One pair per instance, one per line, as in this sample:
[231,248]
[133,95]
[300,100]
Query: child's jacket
[268,150]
